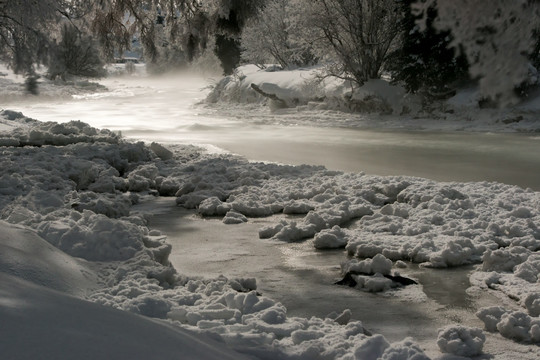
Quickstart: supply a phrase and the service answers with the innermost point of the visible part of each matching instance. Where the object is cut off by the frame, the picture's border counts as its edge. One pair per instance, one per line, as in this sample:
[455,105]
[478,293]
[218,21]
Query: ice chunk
[378,264]
[331,239]
[504,259]
[213,206]
[404,350]
[461,340]
[519,326]
[532,303]
[491,316]
[371,347]
[234,217]
[161,151]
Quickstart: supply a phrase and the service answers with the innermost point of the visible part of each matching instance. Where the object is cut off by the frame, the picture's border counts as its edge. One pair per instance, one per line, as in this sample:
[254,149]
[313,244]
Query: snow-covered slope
[40,323]
[26,255]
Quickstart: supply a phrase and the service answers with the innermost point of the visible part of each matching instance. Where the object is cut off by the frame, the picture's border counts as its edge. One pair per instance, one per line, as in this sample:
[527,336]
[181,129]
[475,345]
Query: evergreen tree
[496,37]
[425,61]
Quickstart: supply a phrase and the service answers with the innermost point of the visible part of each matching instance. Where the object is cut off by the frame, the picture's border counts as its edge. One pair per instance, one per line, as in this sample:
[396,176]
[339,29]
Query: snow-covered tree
[25,28]
[228,18]
[425,62]
[170,30]
[174,32]
[496,37]
[361,33]
[276,34]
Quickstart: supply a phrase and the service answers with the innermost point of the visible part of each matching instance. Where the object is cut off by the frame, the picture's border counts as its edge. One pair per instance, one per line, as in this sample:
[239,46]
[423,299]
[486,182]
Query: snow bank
[322,103]
[301,88]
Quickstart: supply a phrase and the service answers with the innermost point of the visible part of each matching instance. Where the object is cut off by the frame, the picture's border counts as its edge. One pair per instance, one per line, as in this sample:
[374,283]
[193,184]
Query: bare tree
[276,35]
[360,32]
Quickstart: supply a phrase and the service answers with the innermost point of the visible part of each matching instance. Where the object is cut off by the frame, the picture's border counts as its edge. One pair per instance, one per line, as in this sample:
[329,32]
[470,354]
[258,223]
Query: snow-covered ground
[71,235]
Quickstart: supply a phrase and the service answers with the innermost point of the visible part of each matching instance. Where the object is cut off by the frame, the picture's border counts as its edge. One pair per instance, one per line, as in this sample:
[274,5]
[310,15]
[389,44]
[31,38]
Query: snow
[104,253]
[12,87]
[461,340]
[379,264]
[52,268]
[389,106]
[38,322]
[515,325]
[66,207]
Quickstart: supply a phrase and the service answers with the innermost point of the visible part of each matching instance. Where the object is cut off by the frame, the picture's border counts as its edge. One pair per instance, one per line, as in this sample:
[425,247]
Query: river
[166,111]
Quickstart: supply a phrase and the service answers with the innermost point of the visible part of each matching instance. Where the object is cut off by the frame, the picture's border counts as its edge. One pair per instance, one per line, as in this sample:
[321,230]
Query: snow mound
[331,238]
[515,325]
[301,89]
[51,268]
[461,340]
[87,331]
[379,264]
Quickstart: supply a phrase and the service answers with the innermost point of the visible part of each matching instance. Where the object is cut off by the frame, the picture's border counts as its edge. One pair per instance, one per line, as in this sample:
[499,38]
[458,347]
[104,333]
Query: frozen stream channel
[296,274]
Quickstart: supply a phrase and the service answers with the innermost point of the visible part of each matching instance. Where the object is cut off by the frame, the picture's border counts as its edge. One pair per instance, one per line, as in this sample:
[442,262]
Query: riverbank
[298,98]
[96,182]
[337,140]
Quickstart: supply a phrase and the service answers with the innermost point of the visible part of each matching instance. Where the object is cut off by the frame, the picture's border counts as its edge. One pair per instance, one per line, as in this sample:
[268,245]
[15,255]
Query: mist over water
[165,109]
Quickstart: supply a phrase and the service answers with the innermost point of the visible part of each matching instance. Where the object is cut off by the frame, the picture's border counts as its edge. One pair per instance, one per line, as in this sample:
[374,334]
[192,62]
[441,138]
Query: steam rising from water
[164,109]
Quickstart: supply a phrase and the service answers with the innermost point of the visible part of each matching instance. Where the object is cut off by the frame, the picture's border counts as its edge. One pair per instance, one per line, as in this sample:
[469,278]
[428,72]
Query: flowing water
[165,110]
